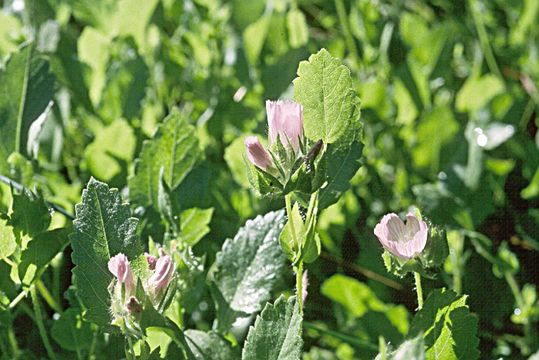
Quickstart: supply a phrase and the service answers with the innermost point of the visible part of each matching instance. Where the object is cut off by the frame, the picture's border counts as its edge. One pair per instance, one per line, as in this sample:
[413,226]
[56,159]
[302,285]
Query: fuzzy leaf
[30,213]
[324,88]
[71,331]
[342,162]
[103,228]
[276,333]
[42,249]
[174,147]
[26,87]
[194,224]
[450,330]
[204,345]
[246,281]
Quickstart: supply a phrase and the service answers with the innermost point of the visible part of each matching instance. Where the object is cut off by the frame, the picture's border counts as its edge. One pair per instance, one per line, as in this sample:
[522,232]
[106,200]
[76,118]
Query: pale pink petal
[257,154]
[164,269]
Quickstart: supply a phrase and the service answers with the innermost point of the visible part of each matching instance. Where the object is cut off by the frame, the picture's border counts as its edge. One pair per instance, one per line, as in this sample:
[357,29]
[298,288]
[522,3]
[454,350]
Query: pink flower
[285,122]
[257,154]
[151,260]
[403,241]
[164,269]
[119,267]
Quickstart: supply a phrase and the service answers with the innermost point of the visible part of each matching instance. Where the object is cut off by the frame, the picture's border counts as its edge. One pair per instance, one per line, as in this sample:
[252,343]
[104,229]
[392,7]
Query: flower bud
[164,269]
[133,306]
[257,154]
[151,260]
[403,241]
[285,122]
[119,267]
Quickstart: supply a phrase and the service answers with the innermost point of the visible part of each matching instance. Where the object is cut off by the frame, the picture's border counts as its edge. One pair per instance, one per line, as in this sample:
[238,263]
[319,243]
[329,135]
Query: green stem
[483,39]
[129,351]
[288,203]
[299,286]
[343,19]
[40,324]
[48,297]
[12,339]
[352,340]
[419,290]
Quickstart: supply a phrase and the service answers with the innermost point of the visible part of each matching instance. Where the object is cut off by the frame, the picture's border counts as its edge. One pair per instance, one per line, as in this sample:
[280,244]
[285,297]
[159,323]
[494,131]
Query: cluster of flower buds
[284,164]
[411,246]
[125,296]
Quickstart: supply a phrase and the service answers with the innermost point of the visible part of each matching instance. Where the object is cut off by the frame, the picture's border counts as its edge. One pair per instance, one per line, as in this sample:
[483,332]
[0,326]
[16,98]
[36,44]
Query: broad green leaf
[174,147]
[236,158]
[358,299]
[450,331]
[408,350]
[133,18]
[194,225]
[435,129]
[71,331]
[41,250]
[298,31]
[103,227]
[478,91]
[30,213]
[209,345]
[324,88]
[111,144]
[93,49]
[276,334]
[532,190]
[254,37]
[247,280]
[343,160]
[26,87]
[8,245]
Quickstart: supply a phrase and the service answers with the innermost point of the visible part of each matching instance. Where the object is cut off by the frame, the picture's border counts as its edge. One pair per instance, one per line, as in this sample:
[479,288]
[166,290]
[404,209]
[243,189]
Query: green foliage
[30,213]
[41,250]
[324,88]
[449,329]
[276,333]
[26,87]
[176,147]
[206,345]
[246,281]
[71,332]
[103,228]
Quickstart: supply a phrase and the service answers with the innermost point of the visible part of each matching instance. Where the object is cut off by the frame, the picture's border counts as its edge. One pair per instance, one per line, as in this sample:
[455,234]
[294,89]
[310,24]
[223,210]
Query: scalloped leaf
[324,88]
[103,228]
[174,147]
[276,334]
[249,265]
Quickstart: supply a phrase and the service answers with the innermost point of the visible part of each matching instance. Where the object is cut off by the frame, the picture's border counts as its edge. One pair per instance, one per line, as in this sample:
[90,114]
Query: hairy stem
[419,290]
[299,286]
[40,324]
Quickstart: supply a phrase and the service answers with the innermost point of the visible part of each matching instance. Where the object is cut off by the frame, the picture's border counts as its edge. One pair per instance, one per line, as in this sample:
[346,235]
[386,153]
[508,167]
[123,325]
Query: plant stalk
[419,290]
[40,324]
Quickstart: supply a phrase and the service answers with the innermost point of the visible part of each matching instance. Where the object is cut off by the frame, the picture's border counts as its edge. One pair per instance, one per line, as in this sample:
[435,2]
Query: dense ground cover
[139,112]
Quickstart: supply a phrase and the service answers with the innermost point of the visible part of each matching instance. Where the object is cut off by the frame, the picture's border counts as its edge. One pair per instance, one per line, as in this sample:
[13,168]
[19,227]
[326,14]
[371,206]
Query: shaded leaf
[71,331]
[246,281]
[209,345]
[174,147]
[276,334]
[30,213]
[26,87]
[41,250]
[103,228]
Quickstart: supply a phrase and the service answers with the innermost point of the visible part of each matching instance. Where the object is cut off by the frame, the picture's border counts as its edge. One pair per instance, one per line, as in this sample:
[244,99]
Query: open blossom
[402,240]
[164,270]
[120,268]
[285,122]
[257,154]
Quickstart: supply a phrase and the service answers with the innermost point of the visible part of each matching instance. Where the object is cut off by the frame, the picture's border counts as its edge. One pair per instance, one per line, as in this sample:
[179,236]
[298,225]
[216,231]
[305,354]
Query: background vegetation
[449,103]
